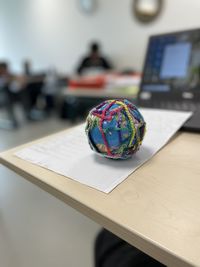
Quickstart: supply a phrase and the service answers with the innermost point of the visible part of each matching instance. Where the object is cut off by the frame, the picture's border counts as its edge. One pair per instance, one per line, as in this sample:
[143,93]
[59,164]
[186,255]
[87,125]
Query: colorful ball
[115,129]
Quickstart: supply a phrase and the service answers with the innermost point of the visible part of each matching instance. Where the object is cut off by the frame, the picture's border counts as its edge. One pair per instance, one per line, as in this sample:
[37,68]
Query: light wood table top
[156,209]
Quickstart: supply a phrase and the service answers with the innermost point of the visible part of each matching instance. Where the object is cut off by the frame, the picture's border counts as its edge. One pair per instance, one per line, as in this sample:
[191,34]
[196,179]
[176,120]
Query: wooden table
[156,209]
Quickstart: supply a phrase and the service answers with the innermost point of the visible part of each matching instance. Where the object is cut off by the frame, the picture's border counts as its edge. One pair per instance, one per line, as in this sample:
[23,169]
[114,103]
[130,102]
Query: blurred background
[59,58]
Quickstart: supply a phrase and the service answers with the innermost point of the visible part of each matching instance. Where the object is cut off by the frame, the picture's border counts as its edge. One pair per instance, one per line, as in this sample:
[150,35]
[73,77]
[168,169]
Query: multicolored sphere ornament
[115,129]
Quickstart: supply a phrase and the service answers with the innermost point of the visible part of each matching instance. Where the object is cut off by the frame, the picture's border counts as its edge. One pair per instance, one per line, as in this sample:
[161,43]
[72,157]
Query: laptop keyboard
[184,106]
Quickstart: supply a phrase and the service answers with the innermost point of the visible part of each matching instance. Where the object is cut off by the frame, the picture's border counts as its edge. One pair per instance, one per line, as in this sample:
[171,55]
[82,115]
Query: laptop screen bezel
[169,94]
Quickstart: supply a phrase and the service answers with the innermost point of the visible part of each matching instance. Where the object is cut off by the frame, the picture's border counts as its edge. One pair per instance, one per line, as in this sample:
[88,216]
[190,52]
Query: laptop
[171,75]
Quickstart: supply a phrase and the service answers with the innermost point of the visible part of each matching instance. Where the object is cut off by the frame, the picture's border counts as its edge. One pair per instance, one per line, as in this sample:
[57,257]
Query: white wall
[55,32]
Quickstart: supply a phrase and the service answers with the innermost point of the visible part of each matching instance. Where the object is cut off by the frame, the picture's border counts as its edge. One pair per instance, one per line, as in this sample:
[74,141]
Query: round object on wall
[147,11]
[88,6]
[115,129]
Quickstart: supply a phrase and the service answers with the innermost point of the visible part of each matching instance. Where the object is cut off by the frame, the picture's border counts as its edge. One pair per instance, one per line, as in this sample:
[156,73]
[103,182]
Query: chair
[7,102]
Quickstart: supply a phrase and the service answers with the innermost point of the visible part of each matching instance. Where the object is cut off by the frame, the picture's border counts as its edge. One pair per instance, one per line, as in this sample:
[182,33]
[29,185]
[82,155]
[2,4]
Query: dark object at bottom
[111,251]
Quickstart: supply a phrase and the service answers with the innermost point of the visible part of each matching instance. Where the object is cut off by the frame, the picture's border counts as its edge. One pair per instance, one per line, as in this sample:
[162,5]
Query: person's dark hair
[94,47]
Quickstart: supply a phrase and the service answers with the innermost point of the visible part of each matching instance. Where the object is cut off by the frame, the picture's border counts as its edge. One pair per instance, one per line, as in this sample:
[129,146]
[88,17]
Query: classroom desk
[156,209]
[79,101]
[99,93]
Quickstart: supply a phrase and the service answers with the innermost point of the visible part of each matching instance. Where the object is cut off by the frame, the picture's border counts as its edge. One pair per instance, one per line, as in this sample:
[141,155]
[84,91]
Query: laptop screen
[172,62]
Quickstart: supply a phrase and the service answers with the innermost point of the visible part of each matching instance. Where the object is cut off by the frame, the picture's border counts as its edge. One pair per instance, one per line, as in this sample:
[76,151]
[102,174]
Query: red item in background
[88,83]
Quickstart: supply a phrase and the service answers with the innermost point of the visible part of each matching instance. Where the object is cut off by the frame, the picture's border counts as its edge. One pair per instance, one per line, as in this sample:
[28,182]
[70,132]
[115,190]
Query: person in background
[50,88]
[4,75]
[34,85]
[12,88]
[94,61]
[27,71]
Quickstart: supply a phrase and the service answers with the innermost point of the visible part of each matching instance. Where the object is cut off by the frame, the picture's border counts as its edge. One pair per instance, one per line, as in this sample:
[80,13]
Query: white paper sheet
[70,155]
